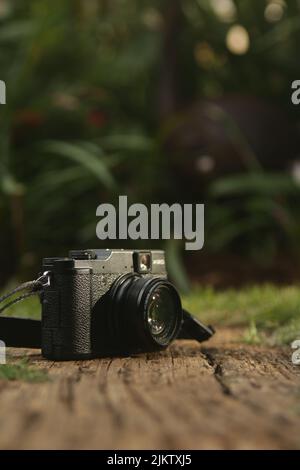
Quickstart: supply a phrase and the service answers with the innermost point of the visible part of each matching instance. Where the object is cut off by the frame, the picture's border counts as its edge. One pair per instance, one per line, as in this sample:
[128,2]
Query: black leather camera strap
[20,332]
[26,333]
[192,328]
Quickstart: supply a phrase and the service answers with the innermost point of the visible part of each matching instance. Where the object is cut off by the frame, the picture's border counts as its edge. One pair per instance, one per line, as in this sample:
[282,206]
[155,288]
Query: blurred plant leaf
[130,142]
[278,35]
[270,183]
[52,181]
[85,157]
[10,186]
[16,30]
[175,265]
[229,232]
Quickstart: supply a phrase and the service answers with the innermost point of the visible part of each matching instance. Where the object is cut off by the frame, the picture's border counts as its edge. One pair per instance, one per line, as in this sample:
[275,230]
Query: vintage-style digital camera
[101,303]
[107,302]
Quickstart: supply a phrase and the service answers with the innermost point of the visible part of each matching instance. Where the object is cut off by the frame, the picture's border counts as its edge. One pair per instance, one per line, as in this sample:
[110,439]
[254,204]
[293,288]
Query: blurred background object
[181,100]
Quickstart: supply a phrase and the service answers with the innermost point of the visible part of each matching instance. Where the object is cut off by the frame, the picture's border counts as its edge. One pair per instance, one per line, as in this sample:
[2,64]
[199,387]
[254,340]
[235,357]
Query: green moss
[251,335]
[21,370]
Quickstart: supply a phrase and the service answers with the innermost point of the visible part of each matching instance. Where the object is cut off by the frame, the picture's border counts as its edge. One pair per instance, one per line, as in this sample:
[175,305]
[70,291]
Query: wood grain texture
[222,395]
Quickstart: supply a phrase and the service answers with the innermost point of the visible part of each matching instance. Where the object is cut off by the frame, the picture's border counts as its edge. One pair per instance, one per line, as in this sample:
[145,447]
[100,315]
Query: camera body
[100,302]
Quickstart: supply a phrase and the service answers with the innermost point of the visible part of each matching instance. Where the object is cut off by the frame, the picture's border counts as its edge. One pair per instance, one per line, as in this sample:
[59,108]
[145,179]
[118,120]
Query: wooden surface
[219,395]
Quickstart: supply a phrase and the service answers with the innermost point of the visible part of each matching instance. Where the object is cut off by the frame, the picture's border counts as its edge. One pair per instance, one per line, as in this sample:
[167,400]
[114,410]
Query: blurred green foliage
[271,313]
[90,100]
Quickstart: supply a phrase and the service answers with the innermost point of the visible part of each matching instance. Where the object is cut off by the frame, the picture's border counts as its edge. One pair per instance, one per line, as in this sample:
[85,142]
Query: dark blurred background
[174,100]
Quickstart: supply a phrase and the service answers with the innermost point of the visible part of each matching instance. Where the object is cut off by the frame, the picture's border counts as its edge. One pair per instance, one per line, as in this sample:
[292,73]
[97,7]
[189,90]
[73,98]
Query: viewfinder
[142,261]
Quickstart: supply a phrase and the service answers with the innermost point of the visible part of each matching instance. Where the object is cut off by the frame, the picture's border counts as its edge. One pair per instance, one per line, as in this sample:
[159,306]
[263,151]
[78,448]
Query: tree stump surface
[218,395]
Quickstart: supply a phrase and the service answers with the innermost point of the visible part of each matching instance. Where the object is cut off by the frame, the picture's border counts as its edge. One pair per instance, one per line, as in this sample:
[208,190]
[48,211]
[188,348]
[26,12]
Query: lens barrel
[145,313]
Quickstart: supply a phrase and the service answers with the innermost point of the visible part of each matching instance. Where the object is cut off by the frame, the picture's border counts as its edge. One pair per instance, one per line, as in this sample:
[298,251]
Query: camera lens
[160,311]
[146,313]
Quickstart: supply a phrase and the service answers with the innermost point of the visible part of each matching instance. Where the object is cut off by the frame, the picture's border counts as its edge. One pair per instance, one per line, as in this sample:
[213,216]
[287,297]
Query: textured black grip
[66,315]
